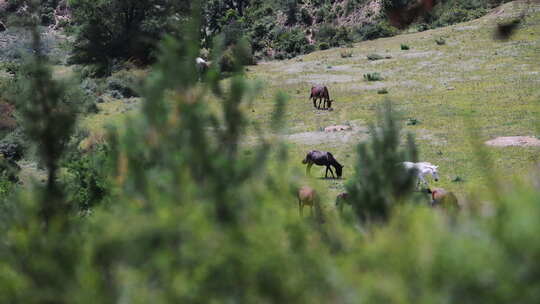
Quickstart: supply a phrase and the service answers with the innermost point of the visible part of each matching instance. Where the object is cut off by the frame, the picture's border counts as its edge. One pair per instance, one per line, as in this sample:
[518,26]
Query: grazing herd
[308,197]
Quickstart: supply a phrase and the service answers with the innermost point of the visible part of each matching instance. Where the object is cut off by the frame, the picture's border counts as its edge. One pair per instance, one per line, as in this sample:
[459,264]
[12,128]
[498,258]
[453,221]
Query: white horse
[202,66]
[422,169]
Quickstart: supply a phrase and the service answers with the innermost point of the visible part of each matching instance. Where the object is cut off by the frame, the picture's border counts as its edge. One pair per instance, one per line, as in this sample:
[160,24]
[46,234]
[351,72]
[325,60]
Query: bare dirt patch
[519,141]
[337,128]
[354,135]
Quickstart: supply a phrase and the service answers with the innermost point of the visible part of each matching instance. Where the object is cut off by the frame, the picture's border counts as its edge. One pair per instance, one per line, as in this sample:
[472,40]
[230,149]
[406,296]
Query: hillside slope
[471,80]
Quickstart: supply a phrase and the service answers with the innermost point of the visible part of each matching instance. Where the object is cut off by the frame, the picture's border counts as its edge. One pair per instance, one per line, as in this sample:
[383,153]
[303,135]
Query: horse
[444,199]
[341,199]
[202,65]
[306,197]
[320,93]
[322,158]
[421,170]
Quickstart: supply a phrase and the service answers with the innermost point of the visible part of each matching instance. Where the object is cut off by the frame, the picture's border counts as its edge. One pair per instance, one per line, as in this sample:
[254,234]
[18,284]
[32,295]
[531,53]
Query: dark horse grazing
[320,93]
[321,158]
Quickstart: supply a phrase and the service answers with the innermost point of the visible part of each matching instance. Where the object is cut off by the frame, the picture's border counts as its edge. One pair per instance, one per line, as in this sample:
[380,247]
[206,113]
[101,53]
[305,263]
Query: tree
[122,29]
[380,182]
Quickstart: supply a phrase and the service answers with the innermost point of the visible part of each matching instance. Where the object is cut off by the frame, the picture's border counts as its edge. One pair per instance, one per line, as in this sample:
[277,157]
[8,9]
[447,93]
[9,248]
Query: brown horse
[443,199]
[320,93]
[306,197]
[342,199]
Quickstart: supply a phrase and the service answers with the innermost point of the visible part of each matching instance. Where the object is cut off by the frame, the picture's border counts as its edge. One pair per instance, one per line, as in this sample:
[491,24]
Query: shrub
[413,122]
[372,76]
[324,46]
[332,35]
[87,184]
[422,27]
[374,57]
[120,29]
[11,150]
[346,54]
[124,84]
[376,30]
[404,47]
[293,42]
[380,183]
[440,41]
[306,17]
[14,145]
[382,91]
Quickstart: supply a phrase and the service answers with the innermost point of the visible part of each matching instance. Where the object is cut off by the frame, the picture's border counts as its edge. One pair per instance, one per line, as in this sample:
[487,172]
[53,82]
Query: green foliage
[404,47]
[372,76]
[440,41]
[324,46]
[382,91]
[352,5]
[189,214]
[87,184]
[380,182]
[374,57]
[293,42]
[413,122]
[375,30]
[305,16]
[118,29]
[334,36]
[123,85]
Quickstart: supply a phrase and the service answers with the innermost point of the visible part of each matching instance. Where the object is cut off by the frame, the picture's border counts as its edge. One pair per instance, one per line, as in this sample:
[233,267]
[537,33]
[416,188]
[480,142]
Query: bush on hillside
[123,84]
[379,29]
[372,76]
[293,42]
[404,47]
[334,36]
[374,57]
[440,41]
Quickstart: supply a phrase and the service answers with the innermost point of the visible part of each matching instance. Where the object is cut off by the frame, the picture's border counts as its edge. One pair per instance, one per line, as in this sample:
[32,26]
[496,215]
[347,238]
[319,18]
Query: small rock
[450,88]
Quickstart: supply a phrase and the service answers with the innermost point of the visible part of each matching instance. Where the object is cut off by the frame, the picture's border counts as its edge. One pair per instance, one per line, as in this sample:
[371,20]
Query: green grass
[473,79]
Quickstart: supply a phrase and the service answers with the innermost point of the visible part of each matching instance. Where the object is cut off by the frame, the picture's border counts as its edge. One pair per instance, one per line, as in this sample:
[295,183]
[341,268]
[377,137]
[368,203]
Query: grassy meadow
[446,94]
[472,84]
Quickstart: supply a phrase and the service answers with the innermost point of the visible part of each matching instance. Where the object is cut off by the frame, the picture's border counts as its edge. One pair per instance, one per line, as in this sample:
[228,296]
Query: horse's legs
[326,172]
[308,169]
[330,168]
[314,102]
